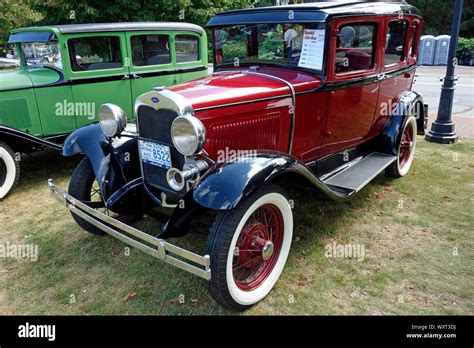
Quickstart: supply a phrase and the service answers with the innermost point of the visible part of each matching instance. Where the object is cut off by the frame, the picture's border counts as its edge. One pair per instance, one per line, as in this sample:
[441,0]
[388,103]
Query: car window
[95,53]
[296,45]
[395,44]
[355,47]
[42,53]
[413,43]
[187,48]
[150,50]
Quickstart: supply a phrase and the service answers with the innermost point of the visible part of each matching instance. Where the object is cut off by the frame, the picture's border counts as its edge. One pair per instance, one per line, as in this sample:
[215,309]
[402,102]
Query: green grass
[409,228]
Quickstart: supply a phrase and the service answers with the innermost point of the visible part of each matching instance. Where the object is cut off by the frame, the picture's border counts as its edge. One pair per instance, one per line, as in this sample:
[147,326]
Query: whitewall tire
[9,170]
[249,246]
[406,150]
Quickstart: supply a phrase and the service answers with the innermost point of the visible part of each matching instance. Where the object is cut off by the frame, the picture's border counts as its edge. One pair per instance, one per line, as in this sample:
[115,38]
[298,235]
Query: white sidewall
[254,296]
[406,168]
[11,172]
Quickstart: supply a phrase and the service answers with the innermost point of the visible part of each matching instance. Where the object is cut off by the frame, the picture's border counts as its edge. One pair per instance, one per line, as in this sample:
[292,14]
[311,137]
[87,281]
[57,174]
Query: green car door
[99,72]
[190,55]
[160,58]
[151,62]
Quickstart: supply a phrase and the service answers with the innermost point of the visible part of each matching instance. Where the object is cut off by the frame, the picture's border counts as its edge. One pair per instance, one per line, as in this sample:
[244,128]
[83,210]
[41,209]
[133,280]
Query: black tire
[80,187]
[9,170]
[221,236]
[397,169]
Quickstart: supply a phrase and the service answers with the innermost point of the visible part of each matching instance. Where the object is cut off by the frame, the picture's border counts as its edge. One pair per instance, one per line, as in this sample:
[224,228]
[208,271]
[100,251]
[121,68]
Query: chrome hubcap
[267,250]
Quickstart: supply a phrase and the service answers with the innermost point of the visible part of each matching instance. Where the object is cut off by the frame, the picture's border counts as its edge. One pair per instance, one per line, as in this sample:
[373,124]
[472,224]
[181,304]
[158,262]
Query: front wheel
[406,151]
[9,170]
[84,187]
[249,246]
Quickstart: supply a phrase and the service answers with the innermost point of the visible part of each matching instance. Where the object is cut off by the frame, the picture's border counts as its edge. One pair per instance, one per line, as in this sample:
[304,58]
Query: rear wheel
[84,187]
[406,151]
[9,170]
[249,246]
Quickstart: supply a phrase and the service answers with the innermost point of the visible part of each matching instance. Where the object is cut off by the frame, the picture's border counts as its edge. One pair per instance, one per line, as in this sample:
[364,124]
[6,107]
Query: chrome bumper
[156,247]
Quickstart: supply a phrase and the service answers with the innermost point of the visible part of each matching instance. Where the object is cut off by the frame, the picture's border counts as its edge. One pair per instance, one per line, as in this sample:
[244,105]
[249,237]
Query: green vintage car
[68,71]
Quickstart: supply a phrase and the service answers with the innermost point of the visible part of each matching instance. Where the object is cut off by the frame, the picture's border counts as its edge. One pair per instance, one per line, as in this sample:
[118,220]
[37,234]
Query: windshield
[286,44]
[42,53]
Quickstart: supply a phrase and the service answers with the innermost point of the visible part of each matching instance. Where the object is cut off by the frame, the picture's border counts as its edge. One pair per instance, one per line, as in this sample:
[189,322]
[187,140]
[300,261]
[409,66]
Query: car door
[151,61]
[396,74]
[99,74]
[353,82]
[190,50]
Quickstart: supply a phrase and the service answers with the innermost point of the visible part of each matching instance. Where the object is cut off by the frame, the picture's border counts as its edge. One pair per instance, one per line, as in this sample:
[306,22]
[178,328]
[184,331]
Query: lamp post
[442,130]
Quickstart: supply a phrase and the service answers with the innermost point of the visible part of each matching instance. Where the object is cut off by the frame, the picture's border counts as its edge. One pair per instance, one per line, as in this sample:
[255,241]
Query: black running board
[354,175]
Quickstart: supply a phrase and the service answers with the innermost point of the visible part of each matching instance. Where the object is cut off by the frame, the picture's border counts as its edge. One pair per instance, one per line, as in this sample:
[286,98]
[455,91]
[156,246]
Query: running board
[353,176]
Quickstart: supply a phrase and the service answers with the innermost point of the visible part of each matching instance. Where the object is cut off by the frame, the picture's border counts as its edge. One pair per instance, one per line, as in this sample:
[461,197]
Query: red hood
[232,86]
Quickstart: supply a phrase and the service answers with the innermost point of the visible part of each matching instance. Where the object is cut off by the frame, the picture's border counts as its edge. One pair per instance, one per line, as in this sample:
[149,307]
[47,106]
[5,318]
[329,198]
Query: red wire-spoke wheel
[249,246]
[406,150]
[406,145]
[258,247]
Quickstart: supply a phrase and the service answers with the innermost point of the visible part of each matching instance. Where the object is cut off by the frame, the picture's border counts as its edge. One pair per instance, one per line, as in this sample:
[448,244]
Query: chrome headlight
[188,134]
[112,119]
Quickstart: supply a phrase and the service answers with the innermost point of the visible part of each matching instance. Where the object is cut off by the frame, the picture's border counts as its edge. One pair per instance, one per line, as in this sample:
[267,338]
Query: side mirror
[347,35]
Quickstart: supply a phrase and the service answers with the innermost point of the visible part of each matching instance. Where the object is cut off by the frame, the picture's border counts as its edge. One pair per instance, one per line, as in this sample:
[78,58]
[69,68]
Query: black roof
[121,26]
[316,11]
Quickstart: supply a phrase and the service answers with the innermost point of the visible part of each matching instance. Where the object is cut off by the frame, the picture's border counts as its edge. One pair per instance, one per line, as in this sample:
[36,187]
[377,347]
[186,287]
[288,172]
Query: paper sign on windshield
[312,51]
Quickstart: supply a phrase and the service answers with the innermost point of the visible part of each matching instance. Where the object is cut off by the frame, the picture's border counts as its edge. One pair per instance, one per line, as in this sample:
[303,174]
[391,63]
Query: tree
[95,11]
[437,15]
[14,14]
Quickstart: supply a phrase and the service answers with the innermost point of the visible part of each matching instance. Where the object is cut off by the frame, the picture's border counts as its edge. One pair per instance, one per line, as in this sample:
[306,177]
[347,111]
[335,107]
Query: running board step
[358,173]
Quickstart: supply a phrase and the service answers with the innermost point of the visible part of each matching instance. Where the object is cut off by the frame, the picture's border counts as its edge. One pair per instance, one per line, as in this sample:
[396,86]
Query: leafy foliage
[465,46]
[16,13]
[438,15]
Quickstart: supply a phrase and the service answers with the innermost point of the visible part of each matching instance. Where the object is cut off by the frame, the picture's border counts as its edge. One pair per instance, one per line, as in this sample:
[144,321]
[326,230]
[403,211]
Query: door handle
[126,77]
[381,77]
[135,76]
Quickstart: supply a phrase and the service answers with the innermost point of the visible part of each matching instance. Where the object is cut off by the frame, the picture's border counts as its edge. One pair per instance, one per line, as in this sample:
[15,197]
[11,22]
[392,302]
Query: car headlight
[112,119]
[188,134]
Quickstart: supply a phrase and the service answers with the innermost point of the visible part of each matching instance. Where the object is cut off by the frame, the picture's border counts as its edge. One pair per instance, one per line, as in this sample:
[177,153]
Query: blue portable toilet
[442,49]
[427,50]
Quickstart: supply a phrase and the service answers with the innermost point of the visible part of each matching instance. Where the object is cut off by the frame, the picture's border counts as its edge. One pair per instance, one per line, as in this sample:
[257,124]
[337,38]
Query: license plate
[155,154]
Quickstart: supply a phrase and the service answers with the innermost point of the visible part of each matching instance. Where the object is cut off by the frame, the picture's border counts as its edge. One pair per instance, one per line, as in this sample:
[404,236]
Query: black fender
[224,185]
[406,106]
[114,161]
[22,141]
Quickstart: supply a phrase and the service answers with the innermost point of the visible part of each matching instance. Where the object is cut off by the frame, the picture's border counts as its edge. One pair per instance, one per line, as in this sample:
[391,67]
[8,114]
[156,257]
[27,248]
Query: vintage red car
[319,93]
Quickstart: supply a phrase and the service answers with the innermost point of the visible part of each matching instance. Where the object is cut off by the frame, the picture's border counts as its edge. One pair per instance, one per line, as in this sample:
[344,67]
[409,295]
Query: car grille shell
[155,125]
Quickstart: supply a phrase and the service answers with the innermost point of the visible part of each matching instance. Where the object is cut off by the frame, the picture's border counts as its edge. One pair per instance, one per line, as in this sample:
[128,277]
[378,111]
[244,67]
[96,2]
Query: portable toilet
[427,50]
[442,49]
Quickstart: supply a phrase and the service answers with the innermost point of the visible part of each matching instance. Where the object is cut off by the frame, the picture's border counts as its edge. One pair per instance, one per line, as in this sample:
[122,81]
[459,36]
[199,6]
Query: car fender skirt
[225,184]
[115,163]
[27,138]
[407,105]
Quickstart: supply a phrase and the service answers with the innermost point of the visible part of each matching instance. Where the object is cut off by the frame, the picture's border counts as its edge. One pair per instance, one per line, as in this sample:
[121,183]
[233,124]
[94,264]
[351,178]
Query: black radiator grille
[155,125]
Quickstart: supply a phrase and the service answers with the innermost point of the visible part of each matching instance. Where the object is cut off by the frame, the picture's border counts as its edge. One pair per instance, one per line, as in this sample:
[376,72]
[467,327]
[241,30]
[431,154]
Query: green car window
[187,48]
[150,50]
[95,53]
